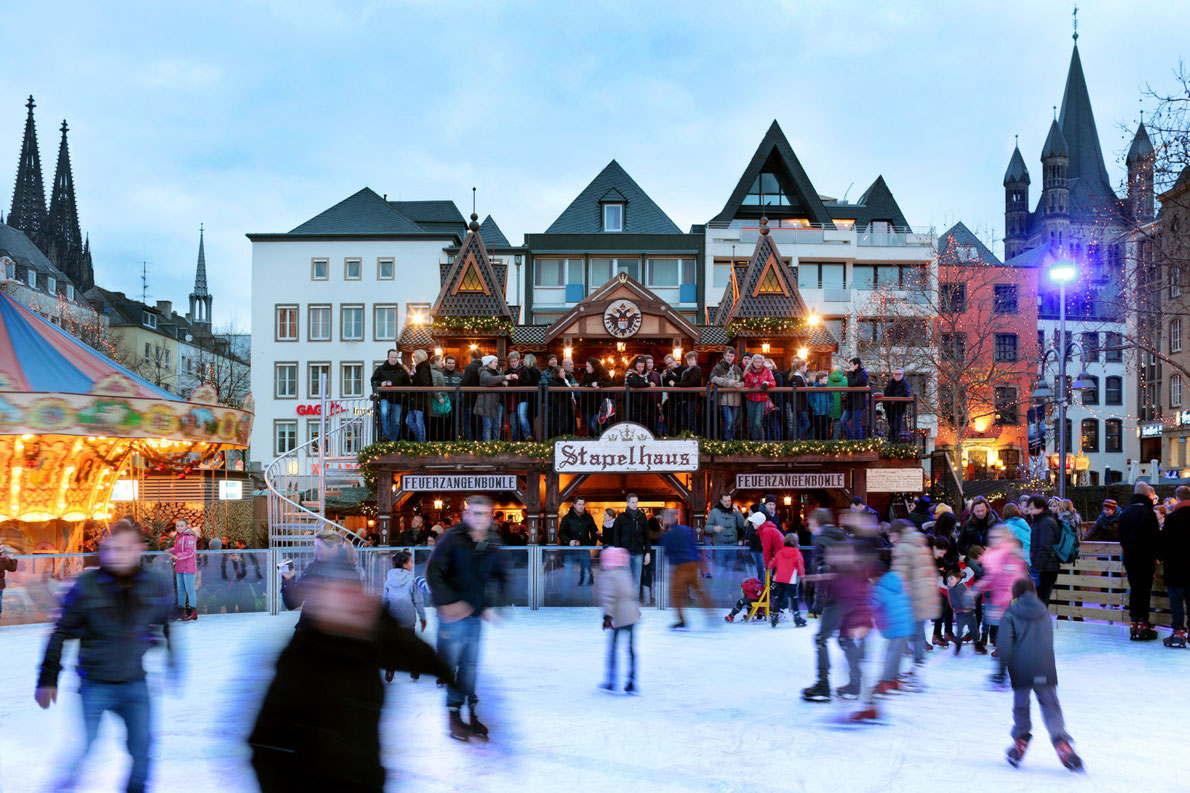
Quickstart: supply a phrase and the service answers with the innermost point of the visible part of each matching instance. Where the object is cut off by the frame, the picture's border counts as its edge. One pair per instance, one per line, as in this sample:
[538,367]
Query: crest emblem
[622,318]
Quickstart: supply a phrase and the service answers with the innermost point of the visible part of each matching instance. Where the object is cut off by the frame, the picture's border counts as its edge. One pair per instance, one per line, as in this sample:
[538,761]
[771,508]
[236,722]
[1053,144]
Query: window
[31,277]
[954,346]
[284,380]
[148,351]
[69,292]
[1090,431]
[1113,431]
[384,323]
[1006,407]
[385,269]
[821,276]
[1040,342]
[1114,393]
[1113,347]
[1175,286]
[351,323]
[613,217]
[1006,347]
[1004,299]
[353,380]
[560,272]
[316,372]
[1091,346]
[417,313]
[312,427]
[669,272]
[51,285]
[768,186]
[284,436]
[148,319]
[286,326]
[1175,391]
[352,269]
[165,357]
[1091,395]
[602,270]
[319,323]
[1175,335]
[720,274]
[319,269]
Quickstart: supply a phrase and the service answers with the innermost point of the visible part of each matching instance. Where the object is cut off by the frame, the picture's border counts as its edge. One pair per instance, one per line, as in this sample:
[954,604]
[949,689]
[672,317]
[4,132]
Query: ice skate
[909,683]
[940,642]
[1176,639]
[798,620]
[774,618]
[456,725]
[729,618]
[1016,752]
[1146,633]
[1070,760]
[819,692]
[415,675]
[849,691]
[981,648]
[885,687]
[608,688]
[192,615]
[865,715]
[631,689]
[388,675]
[678,626]
[476,727]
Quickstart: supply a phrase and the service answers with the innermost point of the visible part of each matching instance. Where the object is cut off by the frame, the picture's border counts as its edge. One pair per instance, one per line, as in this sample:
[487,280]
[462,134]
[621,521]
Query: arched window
[1114,393]
[1090,431]
[1175,391]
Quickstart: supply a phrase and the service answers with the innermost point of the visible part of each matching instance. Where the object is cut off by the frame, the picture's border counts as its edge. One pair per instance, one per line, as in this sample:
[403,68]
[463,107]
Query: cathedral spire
[200,298]
[63,230]
[28,197]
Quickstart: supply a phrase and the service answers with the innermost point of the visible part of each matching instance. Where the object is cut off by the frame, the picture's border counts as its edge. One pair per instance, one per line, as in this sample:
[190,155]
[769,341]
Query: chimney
[165,307]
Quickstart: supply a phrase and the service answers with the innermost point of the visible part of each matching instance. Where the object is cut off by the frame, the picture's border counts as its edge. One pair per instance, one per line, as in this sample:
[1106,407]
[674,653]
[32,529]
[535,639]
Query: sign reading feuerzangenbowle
[789,481]
[411,482]
[626,447]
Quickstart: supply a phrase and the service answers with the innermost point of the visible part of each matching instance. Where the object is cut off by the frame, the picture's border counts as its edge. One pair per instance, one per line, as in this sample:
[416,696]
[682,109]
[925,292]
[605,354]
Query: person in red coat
[771,539]
[789,567]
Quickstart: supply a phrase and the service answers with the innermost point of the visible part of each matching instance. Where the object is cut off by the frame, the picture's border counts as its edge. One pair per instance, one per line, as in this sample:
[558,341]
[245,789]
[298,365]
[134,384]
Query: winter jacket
[1175,546]
[471,379]
[616,592]
[724,526]
[758,378]
[116,620]
[725,376]
[896,388]
[975,531]
[914,565]
[821,542]
[752,588]
[1002,567]
[460,569]
[961,598]
[892,608]
[1044,536]
[1022,531]
[577,527]
[631,532]
[319,724]
[1139,534]
[1106,528]
[771,541]
[396,375]
[920,514]
[789,565]
[1026,643]
[691,377]
[850,591]
[402,598]
[857,400]
[185,549]
[836,379]
[680,544]
[820,404]
[487,404]
[7,565]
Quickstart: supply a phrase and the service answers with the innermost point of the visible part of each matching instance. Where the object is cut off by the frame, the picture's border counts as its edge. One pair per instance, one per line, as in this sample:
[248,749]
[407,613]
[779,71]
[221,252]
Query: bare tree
[222,362]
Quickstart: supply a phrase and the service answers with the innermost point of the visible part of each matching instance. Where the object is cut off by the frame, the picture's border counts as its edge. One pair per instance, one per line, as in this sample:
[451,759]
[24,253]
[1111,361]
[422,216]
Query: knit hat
[758,519]
[488,360]
[1110,502]
[941,508]
[770,497]
[613,557]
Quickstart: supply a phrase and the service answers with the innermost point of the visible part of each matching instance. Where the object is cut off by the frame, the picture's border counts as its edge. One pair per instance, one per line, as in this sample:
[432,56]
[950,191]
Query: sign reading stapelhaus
[626,447]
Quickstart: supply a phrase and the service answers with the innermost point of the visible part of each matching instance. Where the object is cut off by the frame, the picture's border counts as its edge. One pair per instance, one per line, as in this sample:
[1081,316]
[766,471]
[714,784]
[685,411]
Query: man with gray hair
[682,553]
[1139,538]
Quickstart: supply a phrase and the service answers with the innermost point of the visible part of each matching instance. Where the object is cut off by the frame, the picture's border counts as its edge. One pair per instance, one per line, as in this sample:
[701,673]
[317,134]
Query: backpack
[1066,548]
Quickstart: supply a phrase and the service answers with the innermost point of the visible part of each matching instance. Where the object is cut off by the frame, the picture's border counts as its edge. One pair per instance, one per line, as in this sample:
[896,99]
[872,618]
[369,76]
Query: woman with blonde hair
[422,376]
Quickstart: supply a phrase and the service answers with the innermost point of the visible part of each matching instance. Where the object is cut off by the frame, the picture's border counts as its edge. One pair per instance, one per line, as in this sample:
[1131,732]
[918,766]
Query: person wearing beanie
[768,506]
[1107,525]
[617,595]
[921,512]
[489,407]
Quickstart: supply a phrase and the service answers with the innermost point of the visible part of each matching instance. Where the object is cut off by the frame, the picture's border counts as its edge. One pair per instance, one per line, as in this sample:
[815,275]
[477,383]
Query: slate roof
[1032,258]
[641,213]
[455,302]
[1141,146]
[958,237]
[433,216]
[1017,172]
[493,237]
[362,213]
[529,334]
[416,336]
[738,298]
[1055,143]
[1078,127]
[879,204]
[16,246]
[712,334]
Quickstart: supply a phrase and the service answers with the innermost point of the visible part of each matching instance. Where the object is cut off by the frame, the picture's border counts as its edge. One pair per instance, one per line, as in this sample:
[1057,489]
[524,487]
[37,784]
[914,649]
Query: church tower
[200,298]
[1055,189]
[1140,176]
[1016,205]
[28,197]
[64,245]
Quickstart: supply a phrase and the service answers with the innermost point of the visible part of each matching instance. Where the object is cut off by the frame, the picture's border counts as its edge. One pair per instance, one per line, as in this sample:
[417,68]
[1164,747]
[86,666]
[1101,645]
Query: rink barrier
[1095,587]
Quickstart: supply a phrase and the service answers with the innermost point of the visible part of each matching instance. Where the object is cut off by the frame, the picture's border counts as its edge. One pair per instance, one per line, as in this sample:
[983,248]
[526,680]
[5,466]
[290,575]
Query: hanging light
[803,353]
[788,499]
[814,319]
[567,351]
[437,503]
[677,353]
[765,348]
[437,350]
[474,346]
[1042,392]
[1083,381]
[620,346]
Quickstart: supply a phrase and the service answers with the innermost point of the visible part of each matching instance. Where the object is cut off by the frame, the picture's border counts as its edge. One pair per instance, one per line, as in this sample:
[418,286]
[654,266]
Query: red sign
[316,410]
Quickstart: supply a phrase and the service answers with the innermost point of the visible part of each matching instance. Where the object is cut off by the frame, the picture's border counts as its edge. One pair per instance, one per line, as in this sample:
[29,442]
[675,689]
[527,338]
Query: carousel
[73,423]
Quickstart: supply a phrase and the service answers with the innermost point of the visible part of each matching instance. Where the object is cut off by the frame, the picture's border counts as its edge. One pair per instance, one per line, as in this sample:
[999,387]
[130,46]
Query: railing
[548,411]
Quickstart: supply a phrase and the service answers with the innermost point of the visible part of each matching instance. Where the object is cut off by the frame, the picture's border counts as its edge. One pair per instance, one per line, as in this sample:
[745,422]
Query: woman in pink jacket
[1003,565]
[185,559]
[757,376]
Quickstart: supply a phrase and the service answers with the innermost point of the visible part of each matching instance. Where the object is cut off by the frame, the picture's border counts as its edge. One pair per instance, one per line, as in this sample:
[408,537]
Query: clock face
[622,318]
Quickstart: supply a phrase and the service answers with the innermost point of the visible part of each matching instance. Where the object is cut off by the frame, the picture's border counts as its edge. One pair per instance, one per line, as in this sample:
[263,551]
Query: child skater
[962,602]
[403,599]
[617,592]
[789,568]
[1027,646]
[752,589]
[893,612]
[1003,565]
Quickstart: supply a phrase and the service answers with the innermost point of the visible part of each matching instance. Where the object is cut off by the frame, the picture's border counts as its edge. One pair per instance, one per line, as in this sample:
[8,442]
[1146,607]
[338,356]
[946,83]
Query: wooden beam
[533,504]
[573,485]
[677,485]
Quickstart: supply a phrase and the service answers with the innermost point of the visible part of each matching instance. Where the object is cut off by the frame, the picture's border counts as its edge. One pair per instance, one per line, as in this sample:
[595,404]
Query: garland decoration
[473,325]
[762,325]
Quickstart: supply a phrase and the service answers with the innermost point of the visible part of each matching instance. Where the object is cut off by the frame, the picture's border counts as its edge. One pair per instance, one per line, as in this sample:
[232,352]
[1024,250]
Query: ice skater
[1027,646]
[962,603]
[403,600]
[845,611]
[617,594]
[117,613]
[752,590]
[788,568]
[682,553]
[892,609]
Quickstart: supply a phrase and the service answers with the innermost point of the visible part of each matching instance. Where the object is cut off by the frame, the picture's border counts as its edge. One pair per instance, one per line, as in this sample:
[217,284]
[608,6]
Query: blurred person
[328,548]
[823,534]
[1003,565]
[1139,541]
[617,595]
[1107,525]
[914,566]
[464,562]
[788,568]
[319,724]
[920,514]
[1027,647]
[7,565]
[184,556]
[1018,526]
[846,594]
[682,553]
[962,603]
[577,529]
[1174,553]
[892,611]
[402,599]
[117,612]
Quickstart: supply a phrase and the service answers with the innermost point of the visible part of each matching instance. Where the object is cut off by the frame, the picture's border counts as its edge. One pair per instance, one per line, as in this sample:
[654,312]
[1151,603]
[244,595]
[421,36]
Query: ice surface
[720,711]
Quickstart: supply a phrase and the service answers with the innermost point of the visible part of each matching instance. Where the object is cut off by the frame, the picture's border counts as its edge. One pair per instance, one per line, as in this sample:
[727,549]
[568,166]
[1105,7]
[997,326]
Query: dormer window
[31,278]
[51,285]
[148,320]
[613,217]
[69,292]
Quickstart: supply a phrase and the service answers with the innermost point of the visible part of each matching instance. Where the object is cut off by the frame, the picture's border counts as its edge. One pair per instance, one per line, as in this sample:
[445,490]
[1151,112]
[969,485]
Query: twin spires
[64,216]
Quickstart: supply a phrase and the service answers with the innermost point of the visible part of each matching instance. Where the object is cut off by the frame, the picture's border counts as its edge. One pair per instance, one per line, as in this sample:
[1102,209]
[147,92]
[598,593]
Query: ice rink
[720,711]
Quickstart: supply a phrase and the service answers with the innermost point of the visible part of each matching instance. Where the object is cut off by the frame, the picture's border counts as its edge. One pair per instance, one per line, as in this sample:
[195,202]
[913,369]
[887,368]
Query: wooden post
[384,506]
[533,503]
[698,500]
[553,503]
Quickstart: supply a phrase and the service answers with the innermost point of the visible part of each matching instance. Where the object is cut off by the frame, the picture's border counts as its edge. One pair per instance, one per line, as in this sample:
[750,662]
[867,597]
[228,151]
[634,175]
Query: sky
[255,115]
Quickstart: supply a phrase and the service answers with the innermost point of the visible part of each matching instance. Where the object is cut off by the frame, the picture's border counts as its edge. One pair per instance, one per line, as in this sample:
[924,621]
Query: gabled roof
[1055,143]
[1141,146]
[1017,173]
[1031,258]
[1078,127]
[472,288]
[1180,184]
[641,214]
[493,237]
[960,247]
[361,213]
[16,245]
[767,287]
[433,216]
[880,205]
[774,150]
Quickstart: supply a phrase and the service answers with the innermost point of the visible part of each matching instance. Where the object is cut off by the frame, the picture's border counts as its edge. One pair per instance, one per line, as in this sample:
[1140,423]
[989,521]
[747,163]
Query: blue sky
[254,116]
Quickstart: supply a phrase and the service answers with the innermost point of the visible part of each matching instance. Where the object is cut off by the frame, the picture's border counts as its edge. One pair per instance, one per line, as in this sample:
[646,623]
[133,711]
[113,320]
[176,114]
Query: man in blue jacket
[682,552]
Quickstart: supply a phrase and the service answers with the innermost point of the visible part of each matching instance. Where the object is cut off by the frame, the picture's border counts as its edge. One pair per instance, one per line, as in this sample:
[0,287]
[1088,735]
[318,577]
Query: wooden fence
[1096,588]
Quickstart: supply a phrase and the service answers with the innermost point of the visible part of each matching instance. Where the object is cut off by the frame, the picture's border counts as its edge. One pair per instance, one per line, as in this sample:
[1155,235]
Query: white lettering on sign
[419,482]
[895,480]
[626,447]
[1150,431]
[789,481]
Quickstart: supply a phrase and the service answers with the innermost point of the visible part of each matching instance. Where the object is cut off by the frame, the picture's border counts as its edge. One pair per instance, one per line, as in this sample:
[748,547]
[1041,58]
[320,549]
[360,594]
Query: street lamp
[1062,273]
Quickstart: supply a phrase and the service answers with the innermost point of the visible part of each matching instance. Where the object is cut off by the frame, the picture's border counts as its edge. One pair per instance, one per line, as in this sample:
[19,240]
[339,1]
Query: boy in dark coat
[576,529]
[1026,646]
[1139,539]
[1175,558]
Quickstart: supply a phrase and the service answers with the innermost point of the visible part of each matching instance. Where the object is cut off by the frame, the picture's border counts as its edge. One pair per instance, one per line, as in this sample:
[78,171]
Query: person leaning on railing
[726,375]
[389,404]
[489,405]
[691,378]
[593,403]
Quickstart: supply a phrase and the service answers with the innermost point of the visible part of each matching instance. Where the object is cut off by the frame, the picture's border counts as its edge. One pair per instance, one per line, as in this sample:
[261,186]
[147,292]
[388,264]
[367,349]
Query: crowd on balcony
[524,398]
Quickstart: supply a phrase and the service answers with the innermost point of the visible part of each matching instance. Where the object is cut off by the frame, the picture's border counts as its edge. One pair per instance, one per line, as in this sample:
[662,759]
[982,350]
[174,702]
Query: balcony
[817,234]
